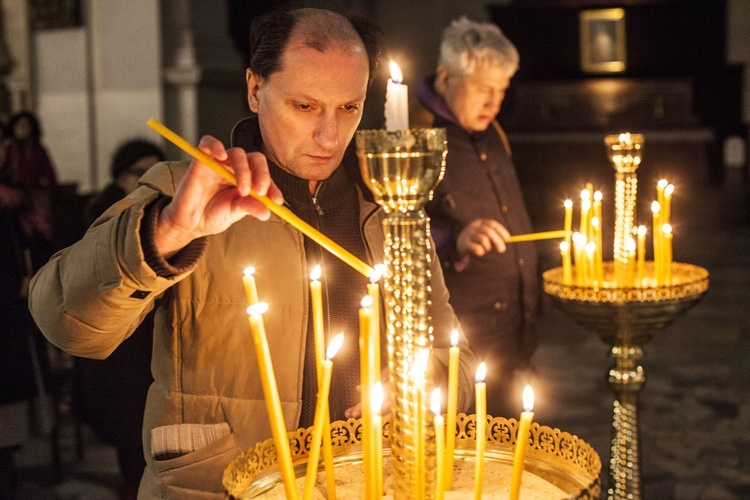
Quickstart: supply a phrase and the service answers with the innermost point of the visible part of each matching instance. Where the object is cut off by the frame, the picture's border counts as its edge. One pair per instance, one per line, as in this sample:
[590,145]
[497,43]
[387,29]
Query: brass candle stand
[401,168]
[626,317]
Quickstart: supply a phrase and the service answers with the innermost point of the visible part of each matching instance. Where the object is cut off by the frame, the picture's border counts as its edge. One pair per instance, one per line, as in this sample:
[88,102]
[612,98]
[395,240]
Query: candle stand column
[401,168]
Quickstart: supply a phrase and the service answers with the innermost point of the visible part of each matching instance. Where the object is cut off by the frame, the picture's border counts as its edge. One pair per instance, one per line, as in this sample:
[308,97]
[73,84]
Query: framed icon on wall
[603,41]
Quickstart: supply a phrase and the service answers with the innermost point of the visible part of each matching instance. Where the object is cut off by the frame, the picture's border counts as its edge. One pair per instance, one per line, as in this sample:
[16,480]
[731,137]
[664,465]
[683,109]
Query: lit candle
[417,373]
[630,247]
[522,440]
[251,292]
[452,407]
[579,241]
[655,209]
[271,396]
[660,187]
[667,230]
[367,381]
[590,250]
[376,400]
[396,101]
[596,230]
[566,264]
[321,410]
[480,390]
[641,254]
[585,209]
[568,225]
[596,207]
[667,207]
[439,422]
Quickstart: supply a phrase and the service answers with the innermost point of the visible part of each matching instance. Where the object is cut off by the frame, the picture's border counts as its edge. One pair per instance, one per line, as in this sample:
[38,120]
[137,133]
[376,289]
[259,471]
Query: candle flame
[595,221]
[315,274]
[585,204]
[454,338]
[662,183]
[585,194]
[249,271]
[435,401]
[528,398]
[334,346]
[366,301]
[258,308]
[630,245]
[377,273]
[598,196]
[578,238]
[568,203]
[624,137]
[655,207]
[669,190]
[590,247]
[481,372]
[396,74]
[376,398]
[419,367]
[564,246]
[642,230]
[667,228]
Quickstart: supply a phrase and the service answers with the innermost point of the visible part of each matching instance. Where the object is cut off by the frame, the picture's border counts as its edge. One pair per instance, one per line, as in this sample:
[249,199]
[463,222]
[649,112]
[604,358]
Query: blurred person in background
[113,390]
[493,287]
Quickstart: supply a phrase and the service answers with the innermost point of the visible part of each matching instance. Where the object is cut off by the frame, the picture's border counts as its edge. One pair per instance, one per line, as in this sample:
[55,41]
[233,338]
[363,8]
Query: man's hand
[205,203]
[481,236]
[356,410]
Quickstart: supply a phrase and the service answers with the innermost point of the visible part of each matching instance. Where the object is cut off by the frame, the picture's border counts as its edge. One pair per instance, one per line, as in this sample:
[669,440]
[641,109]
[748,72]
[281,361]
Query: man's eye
[351,107]
[303,107]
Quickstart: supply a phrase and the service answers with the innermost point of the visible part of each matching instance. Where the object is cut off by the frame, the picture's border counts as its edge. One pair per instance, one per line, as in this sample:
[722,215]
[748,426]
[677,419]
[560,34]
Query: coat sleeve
[92,295]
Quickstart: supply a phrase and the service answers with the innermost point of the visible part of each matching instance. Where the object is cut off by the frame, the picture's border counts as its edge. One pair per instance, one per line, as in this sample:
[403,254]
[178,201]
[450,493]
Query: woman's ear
[253,86]
[441,80]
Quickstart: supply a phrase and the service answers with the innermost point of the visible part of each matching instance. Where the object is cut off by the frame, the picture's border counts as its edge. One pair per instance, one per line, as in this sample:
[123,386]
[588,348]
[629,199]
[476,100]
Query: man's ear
[253,86]
[441,80]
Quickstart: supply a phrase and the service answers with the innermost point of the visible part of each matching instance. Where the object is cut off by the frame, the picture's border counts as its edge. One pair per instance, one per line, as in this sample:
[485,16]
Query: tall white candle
[396,101]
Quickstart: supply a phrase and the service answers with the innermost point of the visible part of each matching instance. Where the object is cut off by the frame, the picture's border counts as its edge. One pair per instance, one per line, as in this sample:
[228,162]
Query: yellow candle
[417,374]
[373,290]
[667,229]
[640,270]
[250,289]
[543,235]
[452,407]
[439,423]
[280,210]
[376,400]
[321,410]
[596,235]
[271,396]
[566,264]
[367,382]
[655,209]
[585,209]
[590,249]
[480,395]
[630,247]
[596,207]
[579,241]
[522,441]
[568,224]
[660,187]
[667,207]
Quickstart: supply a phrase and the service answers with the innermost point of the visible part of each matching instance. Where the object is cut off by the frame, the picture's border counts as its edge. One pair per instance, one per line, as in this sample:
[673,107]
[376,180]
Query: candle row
[662,238]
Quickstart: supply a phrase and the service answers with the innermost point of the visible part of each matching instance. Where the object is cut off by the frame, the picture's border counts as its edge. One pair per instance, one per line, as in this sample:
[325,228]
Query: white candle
[396,101]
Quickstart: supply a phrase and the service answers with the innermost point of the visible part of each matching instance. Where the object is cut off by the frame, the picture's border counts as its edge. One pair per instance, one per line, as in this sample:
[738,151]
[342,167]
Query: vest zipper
[318,208]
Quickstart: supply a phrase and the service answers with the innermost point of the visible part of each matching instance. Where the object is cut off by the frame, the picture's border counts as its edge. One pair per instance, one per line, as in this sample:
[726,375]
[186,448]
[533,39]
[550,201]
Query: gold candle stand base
[559,457]
[626,318]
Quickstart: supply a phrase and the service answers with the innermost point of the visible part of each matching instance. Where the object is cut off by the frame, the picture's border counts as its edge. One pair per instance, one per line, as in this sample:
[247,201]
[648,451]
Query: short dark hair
[270,34]
[130,152]
[36,129]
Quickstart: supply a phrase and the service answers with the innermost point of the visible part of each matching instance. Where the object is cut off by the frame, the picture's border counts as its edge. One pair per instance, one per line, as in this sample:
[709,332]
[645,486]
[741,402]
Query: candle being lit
[452,408]
[251,291]
[396,101]
[522,439]
[480,390]
[271,397]
[439,422]
[321,409]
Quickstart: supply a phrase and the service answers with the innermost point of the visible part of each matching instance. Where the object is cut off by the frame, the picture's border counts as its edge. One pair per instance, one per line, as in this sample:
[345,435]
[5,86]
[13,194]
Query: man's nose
[326,131]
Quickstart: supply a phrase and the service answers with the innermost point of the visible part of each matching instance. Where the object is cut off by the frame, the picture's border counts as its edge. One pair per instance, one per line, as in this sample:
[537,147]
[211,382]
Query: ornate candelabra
[626,317]
[401,168]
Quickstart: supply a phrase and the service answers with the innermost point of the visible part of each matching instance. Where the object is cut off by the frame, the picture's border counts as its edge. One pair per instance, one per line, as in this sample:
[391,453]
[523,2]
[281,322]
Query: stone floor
[694,409]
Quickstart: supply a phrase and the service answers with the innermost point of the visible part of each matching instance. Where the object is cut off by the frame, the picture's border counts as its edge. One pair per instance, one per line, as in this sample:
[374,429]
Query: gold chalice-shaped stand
[401,168]
[626,317]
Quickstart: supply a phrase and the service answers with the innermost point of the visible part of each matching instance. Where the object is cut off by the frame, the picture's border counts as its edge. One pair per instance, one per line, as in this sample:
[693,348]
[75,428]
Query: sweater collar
[436,104]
